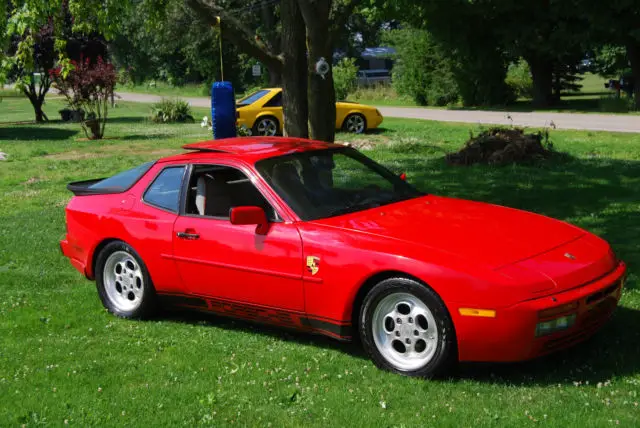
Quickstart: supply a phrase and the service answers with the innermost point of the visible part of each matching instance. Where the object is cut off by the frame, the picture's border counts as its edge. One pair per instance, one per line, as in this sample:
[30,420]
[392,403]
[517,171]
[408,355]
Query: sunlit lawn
[63,358]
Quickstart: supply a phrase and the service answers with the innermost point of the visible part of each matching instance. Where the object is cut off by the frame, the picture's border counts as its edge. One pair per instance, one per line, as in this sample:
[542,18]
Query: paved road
[593,122]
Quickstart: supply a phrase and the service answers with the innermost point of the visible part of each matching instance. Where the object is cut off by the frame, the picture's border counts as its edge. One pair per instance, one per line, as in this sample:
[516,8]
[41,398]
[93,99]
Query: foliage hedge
[422,70]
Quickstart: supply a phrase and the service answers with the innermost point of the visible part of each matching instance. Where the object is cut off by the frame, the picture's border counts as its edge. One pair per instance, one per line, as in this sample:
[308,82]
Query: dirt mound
[500,146]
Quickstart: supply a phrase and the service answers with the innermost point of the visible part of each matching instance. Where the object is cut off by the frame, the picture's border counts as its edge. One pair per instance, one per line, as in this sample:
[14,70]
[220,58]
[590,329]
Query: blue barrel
[223,110]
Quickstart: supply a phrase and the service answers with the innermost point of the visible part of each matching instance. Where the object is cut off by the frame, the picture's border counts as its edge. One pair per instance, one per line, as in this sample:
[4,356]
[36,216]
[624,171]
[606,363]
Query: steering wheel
[369,194]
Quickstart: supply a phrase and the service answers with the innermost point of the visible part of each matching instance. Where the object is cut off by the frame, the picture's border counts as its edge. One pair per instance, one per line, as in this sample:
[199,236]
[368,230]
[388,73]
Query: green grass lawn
[63,358]
[158,87]
[9,93]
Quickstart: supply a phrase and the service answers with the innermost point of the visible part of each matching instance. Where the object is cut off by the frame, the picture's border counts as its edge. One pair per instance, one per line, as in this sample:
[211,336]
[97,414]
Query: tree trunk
[275,79]
[633,53]
[37,102]
[542,76]
[321,93]
[557,87]
[294,72]
[37,108]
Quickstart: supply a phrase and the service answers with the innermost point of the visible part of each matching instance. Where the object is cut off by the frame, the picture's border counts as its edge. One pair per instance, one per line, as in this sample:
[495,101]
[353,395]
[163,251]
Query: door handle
[187,235]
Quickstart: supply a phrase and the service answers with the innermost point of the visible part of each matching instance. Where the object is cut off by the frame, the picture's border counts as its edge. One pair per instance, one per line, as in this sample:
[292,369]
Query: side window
[276,101]
[215,189]
[164,192]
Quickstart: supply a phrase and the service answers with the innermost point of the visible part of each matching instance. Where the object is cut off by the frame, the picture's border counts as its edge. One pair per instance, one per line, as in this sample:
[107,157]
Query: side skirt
[341,330]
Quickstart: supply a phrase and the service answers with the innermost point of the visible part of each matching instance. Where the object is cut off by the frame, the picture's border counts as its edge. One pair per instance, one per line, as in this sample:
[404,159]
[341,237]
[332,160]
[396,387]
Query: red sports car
[317,237]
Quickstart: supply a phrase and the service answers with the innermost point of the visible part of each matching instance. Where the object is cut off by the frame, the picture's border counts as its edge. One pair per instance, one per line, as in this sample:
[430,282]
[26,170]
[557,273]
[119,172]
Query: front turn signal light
[472,312]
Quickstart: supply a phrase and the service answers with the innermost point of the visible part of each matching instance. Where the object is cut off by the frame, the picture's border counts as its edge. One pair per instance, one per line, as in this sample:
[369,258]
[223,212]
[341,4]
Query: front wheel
[123,282]
[405,328]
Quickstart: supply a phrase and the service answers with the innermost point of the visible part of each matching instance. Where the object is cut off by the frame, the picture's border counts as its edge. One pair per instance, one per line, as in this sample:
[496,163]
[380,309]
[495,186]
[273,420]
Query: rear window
[248,100]
[123,180]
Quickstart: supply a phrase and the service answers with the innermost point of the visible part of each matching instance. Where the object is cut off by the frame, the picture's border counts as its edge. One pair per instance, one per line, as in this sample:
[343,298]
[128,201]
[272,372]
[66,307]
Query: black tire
[345,123]
[255,129]
[147,301]
[445,355]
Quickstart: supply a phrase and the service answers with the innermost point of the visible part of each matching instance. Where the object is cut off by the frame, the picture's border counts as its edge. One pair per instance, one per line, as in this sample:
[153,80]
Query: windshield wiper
[352,208]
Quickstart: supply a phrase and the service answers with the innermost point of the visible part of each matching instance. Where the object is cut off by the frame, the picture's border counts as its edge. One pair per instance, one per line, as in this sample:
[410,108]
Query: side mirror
[250,215]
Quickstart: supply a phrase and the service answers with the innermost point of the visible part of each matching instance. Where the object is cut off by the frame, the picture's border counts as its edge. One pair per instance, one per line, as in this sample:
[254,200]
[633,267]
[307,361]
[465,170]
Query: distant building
[375,66]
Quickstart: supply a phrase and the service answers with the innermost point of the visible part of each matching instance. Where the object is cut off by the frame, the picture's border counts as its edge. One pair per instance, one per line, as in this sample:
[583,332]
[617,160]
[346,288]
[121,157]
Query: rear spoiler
[83,188]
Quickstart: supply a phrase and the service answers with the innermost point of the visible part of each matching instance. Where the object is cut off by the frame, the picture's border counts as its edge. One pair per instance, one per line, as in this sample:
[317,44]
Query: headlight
[548,327]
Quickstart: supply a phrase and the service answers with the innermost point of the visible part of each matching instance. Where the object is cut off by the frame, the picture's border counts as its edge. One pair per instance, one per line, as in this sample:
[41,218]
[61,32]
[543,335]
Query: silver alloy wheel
[404,331]
[267,127]
[355,124]
[123,281]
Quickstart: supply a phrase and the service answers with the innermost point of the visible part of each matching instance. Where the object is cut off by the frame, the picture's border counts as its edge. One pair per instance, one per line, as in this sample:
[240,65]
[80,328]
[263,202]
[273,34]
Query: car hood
[490,235]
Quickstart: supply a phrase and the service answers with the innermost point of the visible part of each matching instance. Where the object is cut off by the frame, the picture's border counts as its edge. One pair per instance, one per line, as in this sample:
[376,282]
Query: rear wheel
[405,328]
[123,282]
[355,123]
[266,126]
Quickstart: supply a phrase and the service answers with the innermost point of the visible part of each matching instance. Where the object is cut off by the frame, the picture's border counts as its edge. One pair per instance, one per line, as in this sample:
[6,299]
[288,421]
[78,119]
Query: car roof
[250,149]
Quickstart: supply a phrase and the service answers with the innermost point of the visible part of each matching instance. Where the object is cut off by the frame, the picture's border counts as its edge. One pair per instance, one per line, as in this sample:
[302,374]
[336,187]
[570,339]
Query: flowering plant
[89,87]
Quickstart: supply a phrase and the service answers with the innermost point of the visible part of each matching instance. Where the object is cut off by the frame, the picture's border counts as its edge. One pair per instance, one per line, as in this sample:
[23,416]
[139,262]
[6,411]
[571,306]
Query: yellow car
[261,112]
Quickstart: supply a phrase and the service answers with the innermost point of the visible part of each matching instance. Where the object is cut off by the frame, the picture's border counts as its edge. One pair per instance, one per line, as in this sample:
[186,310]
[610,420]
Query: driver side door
[232,263]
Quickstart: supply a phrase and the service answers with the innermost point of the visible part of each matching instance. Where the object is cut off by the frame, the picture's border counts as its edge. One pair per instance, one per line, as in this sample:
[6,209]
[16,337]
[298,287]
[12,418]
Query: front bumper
[375,122]
[511,335]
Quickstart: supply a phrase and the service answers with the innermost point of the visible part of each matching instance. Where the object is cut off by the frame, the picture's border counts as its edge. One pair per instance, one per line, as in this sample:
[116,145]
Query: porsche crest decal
[313,264]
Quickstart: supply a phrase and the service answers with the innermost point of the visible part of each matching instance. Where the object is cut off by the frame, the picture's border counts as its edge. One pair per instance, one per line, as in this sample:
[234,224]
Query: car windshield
[250,99]
[331,182]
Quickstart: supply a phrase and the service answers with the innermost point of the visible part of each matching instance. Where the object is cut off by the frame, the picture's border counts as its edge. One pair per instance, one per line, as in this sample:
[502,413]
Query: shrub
[88,87]
[615,104]
[168,111]
[422,70]
[380,93]
[345,78]
[519,79]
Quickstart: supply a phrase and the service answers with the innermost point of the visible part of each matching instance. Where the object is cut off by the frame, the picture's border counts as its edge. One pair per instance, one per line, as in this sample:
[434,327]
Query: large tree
[617,23]
[176,47]
[466,32]
[308,31]
[39,31]
[484,35]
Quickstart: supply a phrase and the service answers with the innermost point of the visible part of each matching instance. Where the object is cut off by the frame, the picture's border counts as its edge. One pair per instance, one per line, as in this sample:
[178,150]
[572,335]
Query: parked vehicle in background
[261,112]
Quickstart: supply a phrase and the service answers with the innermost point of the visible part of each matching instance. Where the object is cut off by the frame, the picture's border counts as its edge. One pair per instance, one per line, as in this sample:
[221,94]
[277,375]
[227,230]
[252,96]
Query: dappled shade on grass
[34,132]
[63,357]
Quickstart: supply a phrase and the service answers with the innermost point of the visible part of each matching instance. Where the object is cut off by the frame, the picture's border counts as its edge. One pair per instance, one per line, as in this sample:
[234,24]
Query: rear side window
[276,101]
[123,180]
[164,192]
